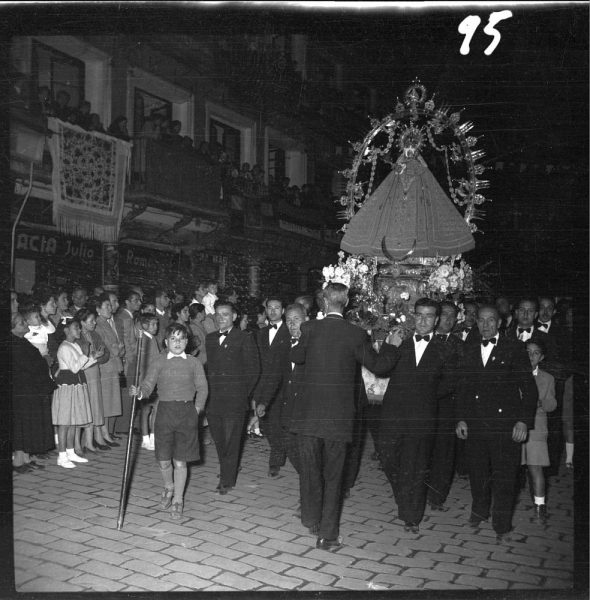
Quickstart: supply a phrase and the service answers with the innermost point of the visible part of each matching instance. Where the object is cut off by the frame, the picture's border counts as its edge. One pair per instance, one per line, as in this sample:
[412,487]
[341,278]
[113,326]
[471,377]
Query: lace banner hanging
[89,174]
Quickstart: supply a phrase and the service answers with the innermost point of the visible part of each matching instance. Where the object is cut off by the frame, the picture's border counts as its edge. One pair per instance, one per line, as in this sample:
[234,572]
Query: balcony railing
[164,170]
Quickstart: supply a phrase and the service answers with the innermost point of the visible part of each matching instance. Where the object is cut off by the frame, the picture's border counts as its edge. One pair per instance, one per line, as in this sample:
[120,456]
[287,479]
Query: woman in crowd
[535,453]
[179,313]
[90,342]
[45,298]
[71,405]
[31,387]
[63,313]
[111,369]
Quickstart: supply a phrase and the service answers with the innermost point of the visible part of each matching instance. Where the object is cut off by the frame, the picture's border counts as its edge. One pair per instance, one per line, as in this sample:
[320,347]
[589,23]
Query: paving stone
[361,553]
[490,564]
[217,550]
[108,556]
[514,576]
[444,585]
[149,569]
[227,565]
[111,545]
[33,537]
[408,561]
[288,547]
[245,548]
[294,560]
[248,536]
[27,549]
[481,582]
[57,571]
[21,577]
[97,583]
[68,547]
[347,583]
[273,533]
[32,513]
[355,572]
[274,580]
[236,582]
[259,562]
[195,569]
[544,572]
[315,587]
[186,554]
[46,584]
[398,581]
[102,569]
[201,524]
[554,583]
[467,552]
[428,574]
[458,568]
[141,581]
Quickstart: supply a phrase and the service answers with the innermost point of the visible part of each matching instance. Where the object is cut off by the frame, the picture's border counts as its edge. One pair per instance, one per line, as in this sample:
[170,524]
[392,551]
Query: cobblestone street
[66,538]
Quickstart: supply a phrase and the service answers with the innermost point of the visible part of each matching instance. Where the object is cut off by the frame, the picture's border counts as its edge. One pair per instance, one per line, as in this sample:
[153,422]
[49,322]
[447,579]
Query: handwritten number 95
[469,24]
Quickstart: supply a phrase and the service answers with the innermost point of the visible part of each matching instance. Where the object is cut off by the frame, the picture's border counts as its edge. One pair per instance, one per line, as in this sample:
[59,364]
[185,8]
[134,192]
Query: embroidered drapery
[89,174]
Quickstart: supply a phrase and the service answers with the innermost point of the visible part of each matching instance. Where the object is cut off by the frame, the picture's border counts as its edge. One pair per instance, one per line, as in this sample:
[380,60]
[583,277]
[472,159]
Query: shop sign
[217,259]
[54,245]
[134,258]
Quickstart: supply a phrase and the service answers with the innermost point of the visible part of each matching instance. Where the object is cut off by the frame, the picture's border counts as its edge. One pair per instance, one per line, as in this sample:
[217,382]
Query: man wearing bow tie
[442,466]
[468,331]
[274,347]
[421,373]
[233,369]
[496,404]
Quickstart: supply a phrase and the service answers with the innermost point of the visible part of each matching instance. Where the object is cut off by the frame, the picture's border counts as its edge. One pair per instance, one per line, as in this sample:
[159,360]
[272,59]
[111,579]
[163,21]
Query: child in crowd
[535,453]
[148,327]
[71,404]
[39,332]
[210,298]
[179,377]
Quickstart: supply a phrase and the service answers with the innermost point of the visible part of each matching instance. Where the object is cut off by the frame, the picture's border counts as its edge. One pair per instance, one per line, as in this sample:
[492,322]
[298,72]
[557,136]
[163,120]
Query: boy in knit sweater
[179,377]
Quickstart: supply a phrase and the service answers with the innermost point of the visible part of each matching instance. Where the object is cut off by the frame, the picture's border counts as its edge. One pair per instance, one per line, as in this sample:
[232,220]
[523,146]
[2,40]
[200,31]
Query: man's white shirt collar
[171,355]
[535,371]
[160,312]
[144,332]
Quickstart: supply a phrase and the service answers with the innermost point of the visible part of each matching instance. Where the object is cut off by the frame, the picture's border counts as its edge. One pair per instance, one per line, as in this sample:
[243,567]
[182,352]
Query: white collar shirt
[222,338]
[420,347]
[171,355]
[535,371]
[272,332]
[542,327]
[487,350]
[525,336]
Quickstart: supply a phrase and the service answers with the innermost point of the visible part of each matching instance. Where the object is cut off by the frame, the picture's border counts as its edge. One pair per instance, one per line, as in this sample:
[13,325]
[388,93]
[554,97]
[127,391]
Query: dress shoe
[65,462]
[438,507]
[114,436]
[411,528]
[346,494]
[102,447]
[224,489]
[314,529]
[43,456]
[329,545]
[35,466]
[541,513]
[112,444]
[475,521]
[274,471]
[569,466]
[22,469]
[504,538]
[87,449]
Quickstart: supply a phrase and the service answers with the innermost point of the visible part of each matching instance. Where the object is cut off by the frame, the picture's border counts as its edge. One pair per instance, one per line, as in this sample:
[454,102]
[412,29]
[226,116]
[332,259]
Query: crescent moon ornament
[388,255]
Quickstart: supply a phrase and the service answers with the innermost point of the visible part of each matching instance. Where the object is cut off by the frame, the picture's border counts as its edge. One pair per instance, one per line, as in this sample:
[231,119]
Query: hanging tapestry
[89,175]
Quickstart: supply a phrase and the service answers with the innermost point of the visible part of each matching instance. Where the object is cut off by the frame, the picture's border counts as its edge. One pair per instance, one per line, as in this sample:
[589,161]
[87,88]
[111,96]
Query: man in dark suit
[496,405]
[233,369]
[442,465]
[422,372]
[557,363]
[274,347]
[323,417]
[162,302]
[468,331]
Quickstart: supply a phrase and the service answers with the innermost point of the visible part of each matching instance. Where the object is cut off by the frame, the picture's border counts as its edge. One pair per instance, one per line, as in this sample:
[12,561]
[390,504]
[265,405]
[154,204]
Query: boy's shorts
[176,432]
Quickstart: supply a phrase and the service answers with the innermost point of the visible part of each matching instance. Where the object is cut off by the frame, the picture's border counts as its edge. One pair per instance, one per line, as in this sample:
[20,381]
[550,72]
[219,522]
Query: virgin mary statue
[408,212]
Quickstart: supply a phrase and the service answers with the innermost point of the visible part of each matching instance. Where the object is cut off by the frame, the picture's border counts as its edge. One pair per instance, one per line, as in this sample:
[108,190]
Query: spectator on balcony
[17,95]
[43,105]
[118,128]
[172,136]
[73,117]
[94,123]
[204,154]
[84,114]
[62,106]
